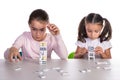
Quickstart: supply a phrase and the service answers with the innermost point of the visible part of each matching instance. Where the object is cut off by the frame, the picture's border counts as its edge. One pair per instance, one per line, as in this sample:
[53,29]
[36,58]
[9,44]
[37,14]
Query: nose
[38,33]
[93,34]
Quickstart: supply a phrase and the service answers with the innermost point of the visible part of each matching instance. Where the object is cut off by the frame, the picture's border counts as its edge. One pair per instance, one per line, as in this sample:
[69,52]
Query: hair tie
[103,26]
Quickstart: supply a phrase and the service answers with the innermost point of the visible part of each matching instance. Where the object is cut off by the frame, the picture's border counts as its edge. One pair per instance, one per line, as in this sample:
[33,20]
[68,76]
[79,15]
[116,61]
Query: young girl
[29,42]
[94,31]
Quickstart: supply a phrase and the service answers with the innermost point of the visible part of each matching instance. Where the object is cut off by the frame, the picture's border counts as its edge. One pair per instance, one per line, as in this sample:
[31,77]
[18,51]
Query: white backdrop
[66,14]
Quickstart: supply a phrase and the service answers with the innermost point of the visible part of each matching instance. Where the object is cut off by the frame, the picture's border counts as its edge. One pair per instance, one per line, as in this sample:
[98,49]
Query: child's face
[38,29]
[93,30]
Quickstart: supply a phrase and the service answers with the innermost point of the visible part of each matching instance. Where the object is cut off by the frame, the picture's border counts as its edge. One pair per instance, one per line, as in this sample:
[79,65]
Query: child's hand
[14,53]
[53,29]
[80,52]
[98,50]
[83,51]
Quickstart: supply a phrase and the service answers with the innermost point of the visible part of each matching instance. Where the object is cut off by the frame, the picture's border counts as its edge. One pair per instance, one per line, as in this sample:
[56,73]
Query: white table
[72,69]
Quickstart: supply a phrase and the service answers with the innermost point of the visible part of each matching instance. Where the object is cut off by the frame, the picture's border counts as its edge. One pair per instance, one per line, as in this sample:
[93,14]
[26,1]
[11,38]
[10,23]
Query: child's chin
[92,38]
[38,39]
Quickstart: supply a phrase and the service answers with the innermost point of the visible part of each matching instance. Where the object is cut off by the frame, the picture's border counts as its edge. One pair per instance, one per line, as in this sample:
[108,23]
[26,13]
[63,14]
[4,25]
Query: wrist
[58,36]
[103,55]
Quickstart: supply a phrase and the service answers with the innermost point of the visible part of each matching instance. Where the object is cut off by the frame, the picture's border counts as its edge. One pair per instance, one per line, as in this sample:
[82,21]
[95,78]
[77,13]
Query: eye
[89,31]
[97,31]
[34,29]
[43,29]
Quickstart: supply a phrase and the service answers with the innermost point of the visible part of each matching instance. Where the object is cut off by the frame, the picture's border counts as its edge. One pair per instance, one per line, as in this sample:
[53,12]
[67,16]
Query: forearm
[6,54]
[60,48]
[105,56]
[78,55]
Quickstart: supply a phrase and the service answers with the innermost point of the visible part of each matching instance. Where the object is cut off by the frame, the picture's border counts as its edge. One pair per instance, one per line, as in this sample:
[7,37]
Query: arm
[59,46]
[14,50]
[80,52]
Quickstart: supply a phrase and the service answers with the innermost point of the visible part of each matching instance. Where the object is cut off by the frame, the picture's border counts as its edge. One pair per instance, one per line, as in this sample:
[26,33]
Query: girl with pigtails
[95,31]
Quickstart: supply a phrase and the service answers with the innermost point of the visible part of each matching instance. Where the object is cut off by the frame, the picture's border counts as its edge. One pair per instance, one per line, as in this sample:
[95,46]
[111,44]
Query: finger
[98,52]
[48,26]
[100,49]
[97,48]
[15,56]
[52,26]
[55,29]
[19,57]
[10,58]
[50,29]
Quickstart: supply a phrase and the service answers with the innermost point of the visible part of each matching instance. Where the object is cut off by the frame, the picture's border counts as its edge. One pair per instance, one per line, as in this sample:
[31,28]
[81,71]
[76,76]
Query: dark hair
[95,18]
[39,15]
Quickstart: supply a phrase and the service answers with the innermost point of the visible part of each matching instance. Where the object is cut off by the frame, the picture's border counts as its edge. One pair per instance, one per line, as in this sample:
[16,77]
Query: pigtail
[82,31]
[106,34]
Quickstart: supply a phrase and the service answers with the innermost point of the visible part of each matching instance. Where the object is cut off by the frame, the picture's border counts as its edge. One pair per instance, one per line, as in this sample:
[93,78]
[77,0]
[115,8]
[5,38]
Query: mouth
[38,38]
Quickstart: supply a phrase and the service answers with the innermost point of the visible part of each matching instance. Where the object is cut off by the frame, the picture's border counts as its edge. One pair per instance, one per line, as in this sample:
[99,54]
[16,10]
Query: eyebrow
[38,29]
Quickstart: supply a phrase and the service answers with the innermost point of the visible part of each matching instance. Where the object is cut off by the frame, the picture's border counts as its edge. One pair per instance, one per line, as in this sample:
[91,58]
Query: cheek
[33,33]
[88,33]
[97,34]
